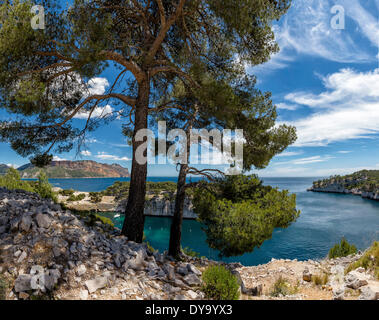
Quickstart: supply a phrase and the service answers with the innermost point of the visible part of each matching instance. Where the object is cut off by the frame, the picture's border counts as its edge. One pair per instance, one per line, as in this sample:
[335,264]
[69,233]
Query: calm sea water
[324,220]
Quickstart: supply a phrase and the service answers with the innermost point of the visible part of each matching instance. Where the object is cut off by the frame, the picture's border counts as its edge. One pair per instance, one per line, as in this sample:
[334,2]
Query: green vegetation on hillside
[282,287]
[3,169]
[342,249]
[369,260]
[60,172]
[120,189]
[365,180]
[12,181]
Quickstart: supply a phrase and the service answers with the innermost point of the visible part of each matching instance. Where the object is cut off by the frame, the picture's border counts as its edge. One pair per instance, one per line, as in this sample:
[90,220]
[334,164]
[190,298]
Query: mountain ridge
[75,169]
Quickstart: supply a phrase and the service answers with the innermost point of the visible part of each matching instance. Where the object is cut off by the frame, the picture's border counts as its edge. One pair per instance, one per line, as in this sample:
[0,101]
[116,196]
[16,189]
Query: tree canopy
[239,213]
[45,75]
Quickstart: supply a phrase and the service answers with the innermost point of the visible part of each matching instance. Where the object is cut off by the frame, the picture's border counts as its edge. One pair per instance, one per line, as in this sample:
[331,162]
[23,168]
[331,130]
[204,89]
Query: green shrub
[369,260]
[282,287]
[67,193]
[343,249]
[12,180]
[220,284]
[191,253]
[3,287]
[44,188]
[74,198]
[95,197]
[320,280]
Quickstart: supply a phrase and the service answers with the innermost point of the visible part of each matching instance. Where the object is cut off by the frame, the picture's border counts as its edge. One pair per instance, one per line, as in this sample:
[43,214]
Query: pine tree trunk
[177,220]
[134,212]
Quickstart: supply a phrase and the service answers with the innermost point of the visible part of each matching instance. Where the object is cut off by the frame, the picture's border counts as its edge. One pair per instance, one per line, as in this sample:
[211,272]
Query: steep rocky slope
[76,169]
[47,252]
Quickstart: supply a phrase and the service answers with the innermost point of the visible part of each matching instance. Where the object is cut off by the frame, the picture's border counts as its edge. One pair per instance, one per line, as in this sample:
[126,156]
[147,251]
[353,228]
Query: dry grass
[369,260]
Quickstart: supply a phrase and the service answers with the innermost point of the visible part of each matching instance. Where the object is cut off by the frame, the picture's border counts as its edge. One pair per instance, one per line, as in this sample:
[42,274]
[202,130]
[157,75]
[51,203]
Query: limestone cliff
[76,169]
[364,183]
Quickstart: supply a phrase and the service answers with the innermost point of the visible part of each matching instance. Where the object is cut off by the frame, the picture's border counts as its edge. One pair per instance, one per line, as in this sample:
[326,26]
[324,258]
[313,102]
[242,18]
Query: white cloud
[368,23]
[348,109]
[97,85]
[105,156]
[308,160]
[311,172]
[86,153]
[57,158]
[285,106]
[306,30]
[99,112]
[289,154]
[12,165]
[344,152]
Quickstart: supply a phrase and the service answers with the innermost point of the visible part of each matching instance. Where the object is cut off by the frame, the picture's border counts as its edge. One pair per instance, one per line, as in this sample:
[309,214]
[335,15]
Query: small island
[364,183]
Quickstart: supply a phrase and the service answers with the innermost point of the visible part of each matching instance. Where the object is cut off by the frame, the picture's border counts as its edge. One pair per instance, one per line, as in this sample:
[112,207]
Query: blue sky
[324,81]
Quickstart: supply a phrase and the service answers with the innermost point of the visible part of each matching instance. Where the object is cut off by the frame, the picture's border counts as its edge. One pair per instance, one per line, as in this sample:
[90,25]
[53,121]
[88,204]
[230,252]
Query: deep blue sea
[324,220]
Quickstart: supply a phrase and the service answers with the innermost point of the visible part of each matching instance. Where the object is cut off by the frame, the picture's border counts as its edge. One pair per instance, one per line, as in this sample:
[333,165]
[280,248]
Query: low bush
[320,280]
[12,181]
[44,188]
[74,198]
[191,253]
[67,193]
[220,284]
[282,287]
[342,249]
[369,260]
[3,287]
[95,197]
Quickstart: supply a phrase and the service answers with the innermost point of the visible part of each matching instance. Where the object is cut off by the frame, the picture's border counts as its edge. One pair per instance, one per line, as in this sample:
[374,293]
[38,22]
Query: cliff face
[160,207]
[77,169]
[363,183]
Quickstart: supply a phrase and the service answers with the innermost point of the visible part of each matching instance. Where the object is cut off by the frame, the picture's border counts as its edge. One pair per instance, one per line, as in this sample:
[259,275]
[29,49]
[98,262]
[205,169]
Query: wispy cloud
[105,156]
[98,112]
[285,106]
[289,154]
[306,30]
[347,109]
[57,158]
[86,153]
[308,160]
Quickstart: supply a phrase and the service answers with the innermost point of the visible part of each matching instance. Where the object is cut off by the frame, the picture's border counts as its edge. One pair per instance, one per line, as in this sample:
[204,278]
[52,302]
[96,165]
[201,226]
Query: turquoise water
[324,220]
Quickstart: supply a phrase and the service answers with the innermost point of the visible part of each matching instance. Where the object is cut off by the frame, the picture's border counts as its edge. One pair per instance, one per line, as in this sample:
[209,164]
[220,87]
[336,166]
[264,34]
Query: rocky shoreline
[337,188]
[156,206]
[46,252]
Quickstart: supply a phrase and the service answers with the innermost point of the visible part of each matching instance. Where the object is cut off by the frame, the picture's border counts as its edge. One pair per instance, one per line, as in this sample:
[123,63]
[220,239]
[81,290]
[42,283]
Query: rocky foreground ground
[47,252]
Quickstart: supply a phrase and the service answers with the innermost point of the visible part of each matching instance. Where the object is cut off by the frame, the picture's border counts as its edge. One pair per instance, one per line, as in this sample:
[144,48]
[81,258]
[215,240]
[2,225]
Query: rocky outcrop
[76,169]
[336,188]
[47,251]
[364,183]
[156,207]
[161,207]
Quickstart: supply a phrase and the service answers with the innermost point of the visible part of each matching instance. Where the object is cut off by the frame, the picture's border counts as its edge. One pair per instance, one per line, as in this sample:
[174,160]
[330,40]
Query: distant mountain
[76,169]
[3,168]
